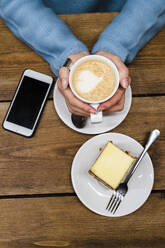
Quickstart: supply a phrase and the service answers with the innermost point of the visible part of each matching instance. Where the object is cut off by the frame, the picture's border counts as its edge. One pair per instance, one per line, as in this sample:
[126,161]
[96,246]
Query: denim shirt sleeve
[132,28]
[38,26]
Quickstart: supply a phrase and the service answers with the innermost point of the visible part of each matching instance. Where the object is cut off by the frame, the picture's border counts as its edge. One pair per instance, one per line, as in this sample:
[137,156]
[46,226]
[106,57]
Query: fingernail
[124,83]
[64,83]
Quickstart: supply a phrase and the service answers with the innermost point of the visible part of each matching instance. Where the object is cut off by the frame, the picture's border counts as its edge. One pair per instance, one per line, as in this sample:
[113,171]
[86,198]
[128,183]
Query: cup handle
[98,117]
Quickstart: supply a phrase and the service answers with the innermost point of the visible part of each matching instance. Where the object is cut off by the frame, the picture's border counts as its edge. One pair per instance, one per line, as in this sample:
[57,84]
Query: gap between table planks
[65,222]
[61,220]
[147,70]
[42,164]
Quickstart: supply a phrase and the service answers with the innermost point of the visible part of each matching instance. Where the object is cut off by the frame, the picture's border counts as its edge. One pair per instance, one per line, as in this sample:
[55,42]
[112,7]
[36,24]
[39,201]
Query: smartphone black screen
[27,103]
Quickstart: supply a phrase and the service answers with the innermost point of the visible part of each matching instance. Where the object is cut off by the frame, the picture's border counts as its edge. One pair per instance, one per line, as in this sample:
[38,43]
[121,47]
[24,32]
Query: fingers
[77,111]
[74,57]
[125,79]
[116,103]
[113,100]
[64,77]
[119,106]
[74,105]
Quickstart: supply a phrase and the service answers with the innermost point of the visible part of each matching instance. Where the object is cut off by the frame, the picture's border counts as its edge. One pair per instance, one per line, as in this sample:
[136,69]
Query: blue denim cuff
[58,62]
[109,45]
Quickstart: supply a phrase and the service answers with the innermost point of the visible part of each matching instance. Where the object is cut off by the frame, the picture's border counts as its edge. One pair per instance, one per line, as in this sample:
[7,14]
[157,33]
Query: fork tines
[114,202]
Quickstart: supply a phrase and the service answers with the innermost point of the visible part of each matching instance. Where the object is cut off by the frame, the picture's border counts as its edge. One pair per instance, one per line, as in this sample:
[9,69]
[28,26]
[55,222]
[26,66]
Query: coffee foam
[87,81]
[93,80]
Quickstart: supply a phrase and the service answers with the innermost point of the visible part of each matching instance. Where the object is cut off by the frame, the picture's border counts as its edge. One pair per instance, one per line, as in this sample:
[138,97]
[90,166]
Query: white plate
[110,120]
[93,194]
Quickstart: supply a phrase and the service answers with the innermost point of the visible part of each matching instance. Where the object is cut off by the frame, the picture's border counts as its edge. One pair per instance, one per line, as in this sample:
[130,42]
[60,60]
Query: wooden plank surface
[42,164]
[147,70]
[65,222]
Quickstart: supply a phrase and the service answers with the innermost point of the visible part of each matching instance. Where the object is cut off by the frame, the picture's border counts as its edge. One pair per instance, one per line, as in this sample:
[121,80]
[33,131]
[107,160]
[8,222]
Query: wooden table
[38,206]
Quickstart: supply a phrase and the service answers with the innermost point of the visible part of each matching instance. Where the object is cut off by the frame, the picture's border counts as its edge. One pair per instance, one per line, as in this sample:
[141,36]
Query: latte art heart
[87,81]
[93,80]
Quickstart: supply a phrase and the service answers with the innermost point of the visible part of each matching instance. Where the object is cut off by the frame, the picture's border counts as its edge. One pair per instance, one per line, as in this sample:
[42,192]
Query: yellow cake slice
[112,165]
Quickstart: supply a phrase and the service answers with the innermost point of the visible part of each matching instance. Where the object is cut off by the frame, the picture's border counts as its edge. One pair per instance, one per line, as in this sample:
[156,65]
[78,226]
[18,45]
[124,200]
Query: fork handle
[151,139]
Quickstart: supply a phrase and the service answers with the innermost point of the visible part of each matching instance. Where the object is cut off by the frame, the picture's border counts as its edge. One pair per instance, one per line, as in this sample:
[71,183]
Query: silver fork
[120,192]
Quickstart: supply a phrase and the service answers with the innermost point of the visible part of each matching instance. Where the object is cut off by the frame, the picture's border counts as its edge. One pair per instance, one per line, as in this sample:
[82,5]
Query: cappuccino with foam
[93,80]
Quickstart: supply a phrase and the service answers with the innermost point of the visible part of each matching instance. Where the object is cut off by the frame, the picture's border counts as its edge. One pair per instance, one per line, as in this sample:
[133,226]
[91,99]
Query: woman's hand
[116,103]
[74,105]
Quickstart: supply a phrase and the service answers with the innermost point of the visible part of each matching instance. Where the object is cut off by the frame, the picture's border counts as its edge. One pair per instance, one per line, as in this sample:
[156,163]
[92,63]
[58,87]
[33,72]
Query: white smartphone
[28,102]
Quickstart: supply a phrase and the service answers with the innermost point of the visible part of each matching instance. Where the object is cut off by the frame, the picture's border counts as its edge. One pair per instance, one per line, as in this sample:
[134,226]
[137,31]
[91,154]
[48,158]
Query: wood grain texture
[147,70]
[65,222]
[42,164]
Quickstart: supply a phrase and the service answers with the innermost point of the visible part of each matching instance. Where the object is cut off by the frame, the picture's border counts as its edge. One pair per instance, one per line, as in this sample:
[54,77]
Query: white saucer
[110,120]
[93,194]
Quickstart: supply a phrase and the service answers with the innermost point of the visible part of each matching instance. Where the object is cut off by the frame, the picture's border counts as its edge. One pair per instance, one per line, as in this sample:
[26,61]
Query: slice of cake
[111,166]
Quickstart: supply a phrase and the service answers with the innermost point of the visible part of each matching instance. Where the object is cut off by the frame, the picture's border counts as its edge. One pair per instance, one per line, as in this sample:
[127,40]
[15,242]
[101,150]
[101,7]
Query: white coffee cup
[95,118]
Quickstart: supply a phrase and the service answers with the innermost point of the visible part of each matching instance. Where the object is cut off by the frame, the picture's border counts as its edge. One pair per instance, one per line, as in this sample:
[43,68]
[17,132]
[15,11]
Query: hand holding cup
[74,105]
[115,103]
[94,79]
